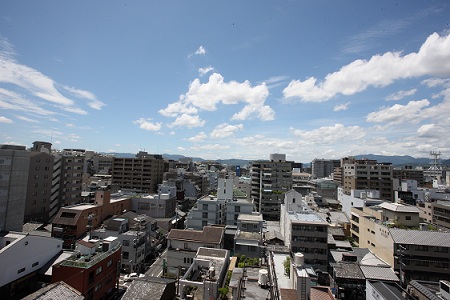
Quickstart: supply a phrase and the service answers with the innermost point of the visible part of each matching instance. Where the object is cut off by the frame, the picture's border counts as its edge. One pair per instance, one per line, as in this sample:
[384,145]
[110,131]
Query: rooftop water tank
[299,259]
[263,277]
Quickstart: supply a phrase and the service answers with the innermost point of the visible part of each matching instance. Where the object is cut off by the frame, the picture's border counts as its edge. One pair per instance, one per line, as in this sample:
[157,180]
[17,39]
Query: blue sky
[229,79]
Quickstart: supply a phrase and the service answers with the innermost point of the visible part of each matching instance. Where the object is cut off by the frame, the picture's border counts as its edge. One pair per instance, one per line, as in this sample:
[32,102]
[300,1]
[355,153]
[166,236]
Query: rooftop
[250,217]
[58,290]
[209,234]
[388,289]
[397,207]
[86,261]
[419,237]
[306,216]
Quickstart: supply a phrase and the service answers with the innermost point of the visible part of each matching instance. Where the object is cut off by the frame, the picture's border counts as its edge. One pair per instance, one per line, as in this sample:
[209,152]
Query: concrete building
[184,244]
[21,256]
[408,173]
[39,186]
[270,180]
[424,254]
[441,213]
[322,168]
[93,270]
[358,198]
[72,168]
[304,231]
[14,168]
[142,173]
[71,223]
[207,273]
[248,240]
[367,174]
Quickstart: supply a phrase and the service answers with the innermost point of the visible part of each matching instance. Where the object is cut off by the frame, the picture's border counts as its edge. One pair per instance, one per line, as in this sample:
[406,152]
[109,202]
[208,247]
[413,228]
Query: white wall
[24,251]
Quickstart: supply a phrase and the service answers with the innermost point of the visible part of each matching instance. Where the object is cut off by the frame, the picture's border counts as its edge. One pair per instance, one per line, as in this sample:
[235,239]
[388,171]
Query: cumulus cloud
[204,71]
[398,113]
[5,120]
[400,95]
[225,130]
[432,59]
[189,121]
[330,134]
[341,107]
[198,138]
[146,124]
[206,96]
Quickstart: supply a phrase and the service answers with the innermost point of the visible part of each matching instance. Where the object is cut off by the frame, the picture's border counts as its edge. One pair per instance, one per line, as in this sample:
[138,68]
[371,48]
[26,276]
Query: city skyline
[227,80]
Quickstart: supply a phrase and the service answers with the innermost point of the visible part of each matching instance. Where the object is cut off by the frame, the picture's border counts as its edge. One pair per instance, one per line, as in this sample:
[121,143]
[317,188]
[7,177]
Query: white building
[22,254]
[358,198]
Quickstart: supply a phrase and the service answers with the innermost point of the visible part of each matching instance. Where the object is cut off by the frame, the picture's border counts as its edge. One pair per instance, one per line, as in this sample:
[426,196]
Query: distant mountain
[234,162]
[178,157]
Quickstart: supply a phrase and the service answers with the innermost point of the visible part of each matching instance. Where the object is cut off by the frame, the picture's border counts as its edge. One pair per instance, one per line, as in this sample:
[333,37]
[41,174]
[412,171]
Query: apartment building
[441,213]
[14,167]
[367,174]
[418,254]
[270,180]
[322,168]
[93,269]
[72,168]
[39,186]
[142,173]
[409,173]
[304,231]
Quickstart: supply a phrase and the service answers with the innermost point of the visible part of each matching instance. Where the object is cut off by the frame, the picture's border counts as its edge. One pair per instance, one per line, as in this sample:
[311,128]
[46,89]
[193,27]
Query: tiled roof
[379,273]
[348,271]
[321,293]
[149,288]
[209,234]
[58,290]
[288,294]
[399,207]
[420,237]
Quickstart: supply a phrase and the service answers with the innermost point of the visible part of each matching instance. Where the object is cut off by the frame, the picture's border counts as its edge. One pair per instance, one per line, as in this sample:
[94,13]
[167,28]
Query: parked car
[132,276]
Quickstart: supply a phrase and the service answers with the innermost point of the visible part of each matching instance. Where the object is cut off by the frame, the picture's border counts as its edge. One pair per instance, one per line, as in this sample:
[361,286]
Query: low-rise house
[184,244]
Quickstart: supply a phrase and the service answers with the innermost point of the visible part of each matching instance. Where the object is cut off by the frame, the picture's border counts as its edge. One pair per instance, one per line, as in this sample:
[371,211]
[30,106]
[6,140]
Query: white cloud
[398,113]
[26,119]
[204,71]
[172,133]
[206,96]
[176,108]
[200,51]
[330,134]
[433,59]
[341,107]
[181,149]
[186,120]
[12,101]
[400,95]
[225,130]
[210,147]
[93,101]
[434,82]
[276,81]
[198,138]
[39,85]
[147,125]
[5,120]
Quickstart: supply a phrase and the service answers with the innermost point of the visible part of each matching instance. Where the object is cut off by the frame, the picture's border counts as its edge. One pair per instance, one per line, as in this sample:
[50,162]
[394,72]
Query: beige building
[367,174]
[424,254]
[142,173]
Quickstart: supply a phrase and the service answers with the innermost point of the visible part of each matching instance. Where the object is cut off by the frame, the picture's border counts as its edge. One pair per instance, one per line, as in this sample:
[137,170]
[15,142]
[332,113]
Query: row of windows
[309,239]
[309,228]
[23,269]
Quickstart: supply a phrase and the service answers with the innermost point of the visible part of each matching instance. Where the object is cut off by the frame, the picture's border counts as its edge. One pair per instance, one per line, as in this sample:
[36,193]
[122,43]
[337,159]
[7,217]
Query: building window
[21,270]
[109,263]
[205,206]
[408,218]
[35,264]
[204,223]
[126,243]
[99,270]
[204,215]
[237,209]
[125,255]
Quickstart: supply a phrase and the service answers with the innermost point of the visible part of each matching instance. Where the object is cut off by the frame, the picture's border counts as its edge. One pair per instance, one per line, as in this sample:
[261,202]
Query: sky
[227,79]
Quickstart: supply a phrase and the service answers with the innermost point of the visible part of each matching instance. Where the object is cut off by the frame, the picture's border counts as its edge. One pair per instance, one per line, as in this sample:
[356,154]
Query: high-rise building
[39,184]
[72,163]
[14,165]
[367,174]
[142,173]
[270,180]
[321,168]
